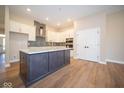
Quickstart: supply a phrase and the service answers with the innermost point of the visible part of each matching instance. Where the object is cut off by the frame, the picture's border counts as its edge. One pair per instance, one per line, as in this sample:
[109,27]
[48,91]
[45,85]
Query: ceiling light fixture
[58,24]
[28,9]
[69,20]
[47,18]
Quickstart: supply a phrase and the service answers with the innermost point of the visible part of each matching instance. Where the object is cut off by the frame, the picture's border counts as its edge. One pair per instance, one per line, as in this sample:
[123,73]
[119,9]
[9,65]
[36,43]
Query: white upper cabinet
[23,28]
[31,33]
[14,26]
[52,35]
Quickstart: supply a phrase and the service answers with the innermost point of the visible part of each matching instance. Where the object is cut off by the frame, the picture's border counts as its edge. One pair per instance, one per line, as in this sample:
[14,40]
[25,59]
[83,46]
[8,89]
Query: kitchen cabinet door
[23,29]
[60,58]
[56,60]
[52,61]
[14,26]
[32,34]
[38,65]
[67,57]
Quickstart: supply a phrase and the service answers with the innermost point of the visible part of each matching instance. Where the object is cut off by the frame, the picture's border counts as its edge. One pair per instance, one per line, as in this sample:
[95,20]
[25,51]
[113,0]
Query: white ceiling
[60,13]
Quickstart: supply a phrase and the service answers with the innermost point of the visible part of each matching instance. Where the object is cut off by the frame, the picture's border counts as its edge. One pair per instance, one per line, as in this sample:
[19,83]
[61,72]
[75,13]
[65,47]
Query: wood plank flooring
[79,74]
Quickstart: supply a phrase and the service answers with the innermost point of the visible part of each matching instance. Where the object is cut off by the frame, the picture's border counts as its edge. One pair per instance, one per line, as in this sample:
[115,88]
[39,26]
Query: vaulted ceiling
[63,15]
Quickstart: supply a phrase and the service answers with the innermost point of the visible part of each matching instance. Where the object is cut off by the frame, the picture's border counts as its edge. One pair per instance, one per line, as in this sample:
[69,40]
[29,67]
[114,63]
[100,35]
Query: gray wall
[2,17]
[1,44]
[115,36]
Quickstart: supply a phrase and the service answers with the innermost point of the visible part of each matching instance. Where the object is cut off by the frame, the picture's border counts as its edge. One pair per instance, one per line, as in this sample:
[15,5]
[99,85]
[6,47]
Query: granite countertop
[35,50]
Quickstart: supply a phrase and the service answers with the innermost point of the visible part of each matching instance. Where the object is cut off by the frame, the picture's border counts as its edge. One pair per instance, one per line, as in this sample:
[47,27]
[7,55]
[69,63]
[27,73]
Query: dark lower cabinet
[24,66]
[67,57]
[56,60]
[35,66]
[38,65]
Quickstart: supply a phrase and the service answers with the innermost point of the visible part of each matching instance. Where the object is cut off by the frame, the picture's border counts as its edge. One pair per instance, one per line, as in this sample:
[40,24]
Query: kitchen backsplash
[55,43]
[41,42]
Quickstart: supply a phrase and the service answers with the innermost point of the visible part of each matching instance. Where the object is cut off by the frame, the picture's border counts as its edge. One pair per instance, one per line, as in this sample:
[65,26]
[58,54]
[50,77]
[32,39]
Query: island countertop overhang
[35,50]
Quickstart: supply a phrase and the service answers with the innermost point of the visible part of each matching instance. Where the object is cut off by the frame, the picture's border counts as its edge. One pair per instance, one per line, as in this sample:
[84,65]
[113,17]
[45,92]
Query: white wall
[17,42]
[94,21]
[7,49]
[59,35]
[115,36]
[68,32]
[112,34]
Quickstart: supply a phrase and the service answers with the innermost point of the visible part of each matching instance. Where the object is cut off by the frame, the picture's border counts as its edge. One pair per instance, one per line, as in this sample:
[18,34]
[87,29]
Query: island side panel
[24,67]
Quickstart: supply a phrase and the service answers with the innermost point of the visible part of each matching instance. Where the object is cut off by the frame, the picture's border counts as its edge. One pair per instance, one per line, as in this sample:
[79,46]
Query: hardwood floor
[79,74]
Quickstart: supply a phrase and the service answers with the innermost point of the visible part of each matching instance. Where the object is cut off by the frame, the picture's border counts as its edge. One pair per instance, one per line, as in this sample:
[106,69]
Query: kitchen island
[38,62]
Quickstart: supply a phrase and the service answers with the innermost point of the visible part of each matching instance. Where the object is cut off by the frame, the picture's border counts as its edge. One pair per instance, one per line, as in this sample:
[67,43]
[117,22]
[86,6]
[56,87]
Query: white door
[88,42]
[81,42]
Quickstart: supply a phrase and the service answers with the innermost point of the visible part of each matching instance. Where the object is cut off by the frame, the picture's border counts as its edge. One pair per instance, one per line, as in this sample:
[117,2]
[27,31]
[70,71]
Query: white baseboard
[7,65]
[12,61]
[102,62]
[114,61]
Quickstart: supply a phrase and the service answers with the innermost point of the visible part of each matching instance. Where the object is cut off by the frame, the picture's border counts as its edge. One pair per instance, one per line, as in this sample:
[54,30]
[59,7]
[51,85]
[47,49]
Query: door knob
[87,46]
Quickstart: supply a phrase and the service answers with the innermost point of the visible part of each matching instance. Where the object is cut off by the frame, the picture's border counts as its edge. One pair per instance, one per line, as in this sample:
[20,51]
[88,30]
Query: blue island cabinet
[56,60]
[34,67]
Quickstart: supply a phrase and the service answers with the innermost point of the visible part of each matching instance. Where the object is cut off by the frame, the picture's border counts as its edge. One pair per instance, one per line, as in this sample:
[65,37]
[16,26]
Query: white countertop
[34,50]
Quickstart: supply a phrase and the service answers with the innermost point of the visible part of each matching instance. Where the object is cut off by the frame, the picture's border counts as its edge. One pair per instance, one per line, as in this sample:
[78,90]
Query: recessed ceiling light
[47,18]
[28,9]
[69,20]
[58,24]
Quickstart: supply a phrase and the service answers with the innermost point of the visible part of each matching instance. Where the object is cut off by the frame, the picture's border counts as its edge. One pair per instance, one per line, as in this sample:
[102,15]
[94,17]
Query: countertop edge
[44,51]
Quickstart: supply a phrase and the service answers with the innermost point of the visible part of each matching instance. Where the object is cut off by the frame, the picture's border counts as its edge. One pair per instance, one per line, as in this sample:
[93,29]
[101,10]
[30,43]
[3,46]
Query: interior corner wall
[2,19]
[1,45]
[7,36]
[17,41]
[115,37]
[94,21]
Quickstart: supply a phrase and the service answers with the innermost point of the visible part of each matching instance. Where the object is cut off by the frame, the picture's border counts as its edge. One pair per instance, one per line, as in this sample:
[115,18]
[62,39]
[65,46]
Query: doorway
[88,44]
